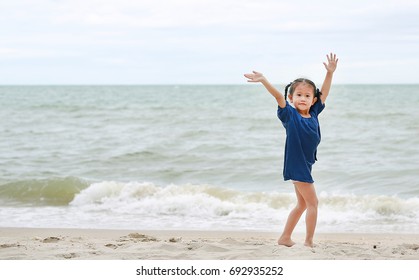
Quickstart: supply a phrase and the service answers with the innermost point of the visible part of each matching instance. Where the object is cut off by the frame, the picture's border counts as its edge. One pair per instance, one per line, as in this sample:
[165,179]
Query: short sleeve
[317,108]
[284,113]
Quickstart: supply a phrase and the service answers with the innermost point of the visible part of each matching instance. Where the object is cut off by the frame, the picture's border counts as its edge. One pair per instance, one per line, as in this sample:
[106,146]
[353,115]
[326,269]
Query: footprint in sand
[113,246]
[51,239]
[69,255]
[414,247]
[3,246]
[175,240]
[138,237]
[406,249]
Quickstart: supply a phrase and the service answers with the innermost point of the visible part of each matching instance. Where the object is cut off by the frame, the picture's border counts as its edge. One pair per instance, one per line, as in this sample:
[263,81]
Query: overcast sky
[206,41]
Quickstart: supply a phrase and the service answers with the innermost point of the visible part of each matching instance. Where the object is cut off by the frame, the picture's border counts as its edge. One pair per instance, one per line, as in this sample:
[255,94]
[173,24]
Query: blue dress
[303,137]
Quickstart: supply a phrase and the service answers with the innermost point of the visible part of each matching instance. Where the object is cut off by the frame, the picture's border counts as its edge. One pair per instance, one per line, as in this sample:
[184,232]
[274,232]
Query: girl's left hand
[332,63]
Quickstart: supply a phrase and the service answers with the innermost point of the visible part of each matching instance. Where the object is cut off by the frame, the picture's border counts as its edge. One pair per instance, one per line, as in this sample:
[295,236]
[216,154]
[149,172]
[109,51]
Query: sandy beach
[97,244]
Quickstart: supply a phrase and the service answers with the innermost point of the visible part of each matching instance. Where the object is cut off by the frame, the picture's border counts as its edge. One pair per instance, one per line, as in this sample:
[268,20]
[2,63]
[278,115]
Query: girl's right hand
[332,62]
[254,77]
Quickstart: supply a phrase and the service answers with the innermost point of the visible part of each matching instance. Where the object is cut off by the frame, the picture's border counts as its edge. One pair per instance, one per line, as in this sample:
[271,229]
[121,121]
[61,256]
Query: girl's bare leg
[292,221]
[308,193]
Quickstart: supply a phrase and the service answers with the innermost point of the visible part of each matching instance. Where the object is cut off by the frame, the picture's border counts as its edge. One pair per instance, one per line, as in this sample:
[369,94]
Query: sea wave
[146,205]
[48,191]
[188,196]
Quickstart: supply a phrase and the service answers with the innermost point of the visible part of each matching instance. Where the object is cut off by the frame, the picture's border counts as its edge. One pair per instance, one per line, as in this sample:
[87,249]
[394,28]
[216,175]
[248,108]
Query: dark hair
[291,87]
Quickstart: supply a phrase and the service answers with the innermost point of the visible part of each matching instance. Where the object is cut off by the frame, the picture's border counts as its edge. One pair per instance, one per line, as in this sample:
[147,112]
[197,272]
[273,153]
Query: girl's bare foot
[309,244]
[286,242]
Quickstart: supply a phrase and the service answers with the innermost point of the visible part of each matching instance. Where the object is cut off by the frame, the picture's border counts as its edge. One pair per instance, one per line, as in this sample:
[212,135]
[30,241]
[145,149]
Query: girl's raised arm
[332,62]
[257,77]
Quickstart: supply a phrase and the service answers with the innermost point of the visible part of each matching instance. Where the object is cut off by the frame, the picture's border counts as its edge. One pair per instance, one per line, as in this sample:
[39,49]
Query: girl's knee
[307,193]
[301,207]
[312,203]
[315,202]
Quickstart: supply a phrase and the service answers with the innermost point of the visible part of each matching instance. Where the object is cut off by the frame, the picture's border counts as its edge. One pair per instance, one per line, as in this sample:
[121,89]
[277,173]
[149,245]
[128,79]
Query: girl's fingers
[331,57]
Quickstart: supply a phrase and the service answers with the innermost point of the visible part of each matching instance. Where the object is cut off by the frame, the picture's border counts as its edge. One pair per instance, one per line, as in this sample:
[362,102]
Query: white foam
[146,205]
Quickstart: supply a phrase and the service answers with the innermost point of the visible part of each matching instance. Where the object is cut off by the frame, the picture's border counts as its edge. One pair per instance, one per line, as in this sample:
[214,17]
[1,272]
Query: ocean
[204,157]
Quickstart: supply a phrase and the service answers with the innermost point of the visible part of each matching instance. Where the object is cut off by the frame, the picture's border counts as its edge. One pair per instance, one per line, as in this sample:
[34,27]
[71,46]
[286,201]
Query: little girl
[303,137]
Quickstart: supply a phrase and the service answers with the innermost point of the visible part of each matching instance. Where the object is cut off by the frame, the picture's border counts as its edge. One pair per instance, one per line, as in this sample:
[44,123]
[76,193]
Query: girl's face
[303,98]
